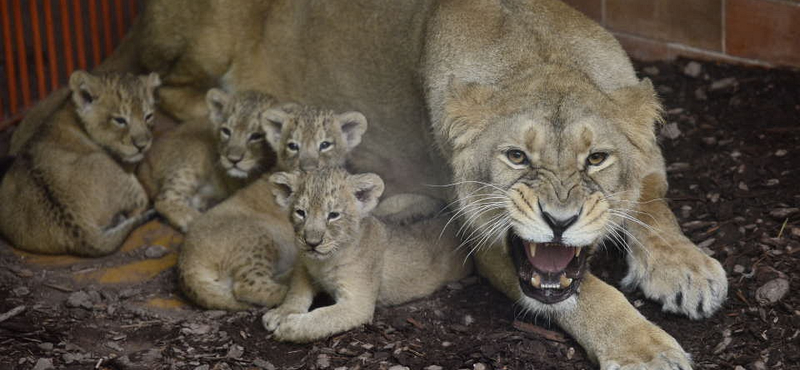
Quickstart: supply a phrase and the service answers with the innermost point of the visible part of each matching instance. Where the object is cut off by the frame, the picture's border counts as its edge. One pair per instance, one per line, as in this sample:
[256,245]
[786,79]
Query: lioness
[445,83]
[357,259]
[71,188]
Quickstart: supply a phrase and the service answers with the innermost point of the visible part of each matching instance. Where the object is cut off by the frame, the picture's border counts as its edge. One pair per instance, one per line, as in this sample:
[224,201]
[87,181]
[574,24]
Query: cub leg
[93,241]
[665,264]
[253,281]
[615,335]
[174,201]
[354,306]
[298,299]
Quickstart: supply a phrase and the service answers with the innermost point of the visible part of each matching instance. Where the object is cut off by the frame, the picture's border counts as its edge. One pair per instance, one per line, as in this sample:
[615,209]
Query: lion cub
[234,252]
[71,188]
[202,162]
[353,256]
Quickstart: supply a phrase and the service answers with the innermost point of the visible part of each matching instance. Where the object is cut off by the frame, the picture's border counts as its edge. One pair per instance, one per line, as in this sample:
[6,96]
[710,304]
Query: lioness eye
[148,117]
[293,146]
[517,157]
[333,215]
[256,136]
[225,131]
[300,213]
[122,122]
[324,145]
[596,158]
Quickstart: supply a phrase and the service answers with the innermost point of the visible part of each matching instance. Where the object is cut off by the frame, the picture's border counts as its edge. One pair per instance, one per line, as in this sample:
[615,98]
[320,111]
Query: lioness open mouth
[547,272]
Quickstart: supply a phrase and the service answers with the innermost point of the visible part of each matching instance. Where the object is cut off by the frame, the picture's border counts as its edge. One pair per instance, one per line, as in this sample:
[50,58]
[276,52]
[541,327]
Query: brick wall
[756,32]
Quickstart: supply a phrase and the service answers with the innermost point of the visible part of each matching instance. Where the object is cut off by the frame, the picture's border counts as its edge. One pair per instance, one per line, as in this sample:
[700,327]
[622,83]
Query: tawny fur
[204,161]
[395,62]
[351,255]
[71,188]
[233,254]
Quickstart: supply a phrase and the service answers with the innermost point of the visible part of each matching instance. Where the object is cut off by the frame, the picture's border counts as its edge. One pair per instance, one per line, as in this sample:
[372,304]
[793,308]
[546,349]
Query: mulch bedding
[730,140]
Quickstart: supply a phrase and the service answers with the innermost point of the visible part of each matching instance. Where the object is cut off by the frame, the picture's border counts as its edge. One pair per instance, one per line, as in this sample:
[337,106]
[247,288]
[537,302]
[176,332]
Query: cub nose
[141,144]
[313,243]
[235,159]
[558,226]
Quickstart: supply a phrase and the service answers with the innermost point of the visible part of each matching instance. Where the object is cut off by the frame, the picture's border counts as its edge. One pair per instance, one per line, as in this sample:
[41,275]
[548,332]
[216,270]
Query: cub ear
[353,125]
[85,88]
[273,121]
[642,109]
[217,100]
[151,82]
[285,186]
[367,188]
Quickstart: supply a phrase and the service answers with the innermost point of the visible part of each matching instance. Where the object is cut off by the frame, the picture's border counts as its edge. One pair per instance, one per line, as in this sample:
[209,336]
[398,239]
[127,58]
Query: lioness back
[234,253]
[204,161]
[70,188]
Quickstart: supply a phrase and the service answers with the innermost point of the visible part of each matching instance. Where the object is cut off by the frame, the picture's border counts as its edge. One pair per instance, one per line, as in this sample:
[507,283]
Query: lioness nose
[558,226]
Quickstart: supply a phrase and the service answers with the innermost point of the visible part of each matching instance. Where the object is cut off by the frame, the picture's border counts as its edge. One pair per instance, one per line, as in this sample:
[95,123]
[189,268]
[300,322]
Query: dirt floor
[730,140]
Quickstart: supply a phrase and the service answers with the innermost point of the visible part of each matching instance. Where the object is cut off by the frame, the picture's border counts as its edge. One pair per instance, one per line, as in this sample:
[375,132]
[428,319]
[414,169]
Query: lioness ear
[285,186]
[640,105]
[464,112]
[367,188]
[353,125]
[85,88]
[217,100]
[273,121]
[151,83]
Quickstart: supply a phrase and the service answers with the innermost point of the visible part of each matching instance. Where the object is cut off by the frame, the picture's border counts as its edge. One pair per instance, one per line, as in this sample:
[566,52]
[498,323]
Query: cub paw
[294,328]
[275,317]
[667,360]
[683,278]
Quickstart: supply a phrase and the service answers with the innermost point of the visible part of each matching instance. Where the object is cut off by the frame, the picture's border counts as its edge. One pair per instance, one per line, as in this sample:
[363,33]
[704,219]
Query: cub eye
[122,122]
[517,157]
[256,136]
[596,158]
[333,216]
[225,131]
[293,147]
[300,213]
[148,117]
[325,145]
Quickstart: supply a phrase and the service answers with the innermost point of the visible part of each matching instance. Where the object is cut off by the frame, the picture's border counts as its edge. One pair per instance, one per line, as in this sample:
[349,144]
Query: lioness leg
[613,333]
[183,102]
[665,264]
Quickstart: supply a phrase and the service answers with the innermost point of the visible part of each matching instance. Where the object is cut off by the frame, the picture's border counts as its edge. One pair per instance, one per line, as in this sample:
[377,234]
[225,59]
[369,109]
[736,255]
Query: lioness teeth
[565,281]
[578,251]
[536,281]
[532,249]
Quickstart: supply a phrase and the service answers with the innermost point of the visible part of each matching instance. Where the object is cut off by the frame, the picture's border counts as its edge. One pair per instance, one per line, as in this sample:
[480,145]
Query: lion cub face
[242,147]
[116,111]
[326,207]
[307,138]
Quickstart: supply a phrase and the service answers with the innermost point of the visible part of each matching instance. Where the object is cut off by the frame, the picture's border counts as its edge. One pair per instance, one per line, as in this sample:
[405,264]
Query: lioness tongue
[549,257]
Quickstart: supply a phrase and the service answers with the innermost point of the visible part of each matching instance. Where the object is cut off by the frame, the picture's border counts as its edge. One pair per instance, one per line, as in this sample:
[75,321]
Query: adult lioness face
[558,171]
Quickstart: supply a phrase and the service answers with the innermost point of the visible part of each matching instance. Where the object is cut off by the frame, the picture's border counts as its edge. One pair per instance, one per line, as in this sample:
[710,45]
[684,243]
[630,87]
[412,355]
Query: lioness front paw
[684,279]
[669,360]
[658,352]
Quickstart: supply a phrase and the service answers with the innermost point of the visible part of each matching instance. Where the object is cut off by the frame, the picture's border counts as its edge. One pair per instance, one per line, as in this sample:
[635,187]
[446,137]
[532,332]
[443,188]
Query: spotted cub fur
[71,188]
[353,256]
[204,161]
[234,253]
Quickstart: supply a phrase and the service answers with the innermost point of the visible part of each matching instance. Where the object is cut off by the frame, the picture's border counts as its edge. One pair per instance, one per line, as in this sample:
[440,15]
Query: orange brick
[696,23]
[763,30]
